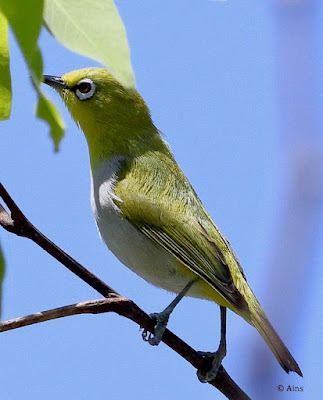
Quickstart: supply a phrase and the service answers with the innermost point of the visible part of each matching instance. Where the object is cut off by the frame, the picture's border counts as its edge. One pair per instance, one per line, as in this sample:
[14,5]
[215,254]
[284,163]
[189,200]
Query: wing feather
[176,220]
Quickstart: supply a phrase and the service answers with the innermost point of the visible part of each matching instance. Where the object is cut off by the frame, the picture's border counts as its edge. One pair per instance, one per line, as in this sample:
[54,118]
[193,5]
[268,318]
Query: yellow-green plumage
[145,208]
[160,202]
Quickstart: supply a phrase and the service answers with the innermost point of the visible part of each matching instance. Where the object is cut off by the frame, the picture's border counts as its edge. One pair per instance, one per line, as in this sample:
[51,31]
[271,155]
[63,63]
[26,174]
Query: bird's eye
[85,89]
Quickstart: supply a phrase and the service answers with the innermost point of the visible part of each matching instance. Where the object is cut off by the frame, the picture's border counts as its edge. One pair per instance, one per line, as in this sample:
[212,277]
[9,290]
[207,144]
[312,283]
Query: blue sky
[207,72]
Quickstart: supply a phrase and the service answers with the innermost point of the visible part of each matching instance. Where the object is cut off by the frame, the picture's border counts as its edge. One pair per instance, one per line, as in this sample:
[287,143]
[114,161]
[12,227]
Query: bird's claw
[216,358]
[155,338]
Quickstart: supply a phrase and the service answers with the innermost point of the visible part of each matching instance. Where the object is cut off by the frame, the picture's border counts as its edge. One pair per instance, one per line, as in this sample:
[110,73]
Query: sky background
[208,72]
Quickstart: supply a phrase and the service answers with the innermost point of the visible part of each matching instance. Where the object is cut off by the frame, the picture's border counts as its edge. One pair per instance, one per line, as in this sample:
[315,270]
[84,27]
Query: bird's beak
[55,82]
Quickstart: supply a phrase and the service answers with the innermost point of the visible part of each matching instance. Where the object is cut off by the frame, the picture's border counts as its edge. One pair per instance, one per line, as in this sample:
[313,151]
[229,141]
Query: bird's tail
[259,320]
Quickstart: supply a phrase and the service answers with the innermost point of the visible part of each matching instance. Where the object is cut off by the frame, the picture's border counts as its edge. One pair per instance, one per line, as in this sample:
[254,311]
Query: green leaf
[47,111]
[25,19]
[1,275]
[94,29]
[5,81]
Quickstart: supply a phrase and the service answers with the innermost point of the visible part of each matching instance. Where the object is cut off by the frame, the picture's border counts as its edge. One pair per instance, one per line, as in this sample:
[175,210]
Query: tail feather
[280,351]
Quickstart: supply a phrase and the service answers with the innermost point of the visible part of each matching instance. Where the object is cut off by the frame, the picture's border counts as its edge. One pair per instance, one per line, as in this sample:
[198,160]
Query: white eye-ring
[85,89]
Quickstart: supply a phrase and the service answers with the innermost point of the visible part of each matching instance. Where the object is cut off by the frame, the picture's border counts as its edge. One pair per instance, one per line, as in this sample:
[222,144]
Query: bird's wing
[157,199]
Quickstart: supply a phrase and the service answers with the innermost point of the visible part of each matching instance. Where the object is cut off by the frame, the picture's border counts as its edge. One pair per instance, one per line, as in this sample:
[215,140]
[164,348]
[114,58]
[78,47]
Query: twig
[86,307]
[17,223]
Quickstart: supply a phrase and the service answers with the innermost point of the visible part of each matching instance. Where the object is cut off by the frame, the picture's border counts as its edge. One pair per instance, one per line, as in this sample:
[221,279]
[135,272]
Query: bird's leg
[163,317]
[218,356]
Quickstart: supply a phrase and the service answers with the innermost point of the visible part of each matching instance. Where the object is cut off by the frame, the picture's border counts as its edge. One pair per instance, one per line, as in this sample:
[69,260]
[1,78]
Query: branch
[87,307]
[18,224]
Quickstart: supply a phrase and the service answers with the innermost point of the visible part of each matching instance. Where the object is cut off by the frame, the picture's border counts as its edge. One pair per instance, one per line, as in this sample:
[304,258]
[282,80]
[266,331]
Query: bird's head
[113,118]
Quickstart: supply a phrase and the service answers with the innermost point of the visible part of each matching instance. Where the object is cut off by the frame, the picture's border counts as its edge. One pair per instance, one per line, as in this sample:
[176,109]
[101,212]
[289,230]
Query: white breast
[127,243]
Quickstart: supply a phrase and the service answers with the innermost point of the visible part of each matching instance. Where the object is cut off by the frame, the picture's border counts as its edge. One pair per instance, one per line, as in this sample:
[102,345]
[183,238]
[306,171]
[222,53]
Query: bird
[149,215]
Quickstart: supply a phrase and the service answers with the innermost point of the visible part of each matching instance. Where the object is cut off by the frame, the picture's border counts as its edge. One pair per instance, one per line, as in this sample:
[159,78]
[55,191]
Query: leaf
[47,111]
[94,29]
[1,275]
[25,19]
[5,81]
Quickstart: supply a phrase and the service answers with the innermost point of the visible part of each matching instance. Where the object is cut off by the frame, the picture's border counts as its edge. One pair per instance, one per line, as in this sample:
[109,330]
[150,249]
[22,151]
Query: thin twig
[86,307]
[17,223]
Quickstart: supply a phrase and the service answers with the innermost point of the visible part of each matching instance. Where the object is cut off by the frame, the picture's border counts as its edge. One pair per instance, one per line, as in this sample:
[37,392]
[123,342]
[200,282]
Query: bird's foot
[161,322]
[216,359]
